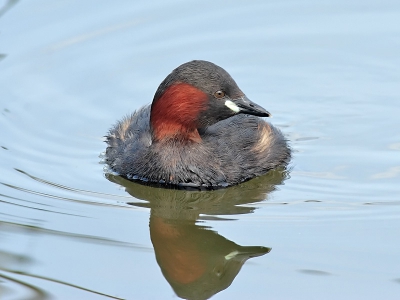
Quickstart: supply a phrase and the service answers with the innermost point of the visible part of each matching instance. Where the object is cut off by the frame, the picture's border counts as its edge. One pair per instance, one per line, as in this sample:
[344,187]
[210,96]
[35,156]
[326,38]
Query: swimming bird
[200,131]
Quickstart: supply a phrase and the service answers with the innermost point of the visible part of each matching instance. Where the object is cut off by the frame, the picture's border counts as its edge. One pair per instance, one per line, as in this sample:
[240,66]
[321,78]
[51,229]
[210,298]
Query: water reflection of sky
[327,71]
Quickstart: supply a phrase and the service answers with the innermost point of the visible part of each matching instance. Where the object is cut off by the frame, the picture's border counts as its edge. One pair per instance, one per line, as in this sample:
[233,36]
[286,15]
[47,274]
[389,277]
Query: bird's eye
[219,94]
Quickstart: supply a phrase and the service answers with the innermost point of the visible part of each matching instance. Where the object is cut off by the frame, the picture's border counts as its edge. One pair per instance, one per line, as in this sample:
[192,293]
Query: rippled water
[329,71]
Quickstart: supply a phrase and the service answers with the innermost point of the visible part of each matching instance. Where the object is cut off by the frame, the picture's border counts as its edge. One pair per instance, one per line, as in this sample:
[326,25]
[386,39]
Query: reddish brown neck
[175,114]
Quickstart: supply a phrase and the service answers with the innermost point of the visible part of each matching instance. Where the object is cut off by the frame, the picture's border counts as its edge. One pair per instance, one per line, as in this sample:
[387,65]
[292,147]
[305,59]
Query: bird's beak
[244,105]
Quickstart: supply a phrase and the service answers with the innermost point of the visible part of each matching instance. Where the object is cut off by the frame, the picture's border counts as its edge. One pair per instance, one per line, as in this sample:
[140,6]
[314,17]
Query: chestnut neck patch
[176,112]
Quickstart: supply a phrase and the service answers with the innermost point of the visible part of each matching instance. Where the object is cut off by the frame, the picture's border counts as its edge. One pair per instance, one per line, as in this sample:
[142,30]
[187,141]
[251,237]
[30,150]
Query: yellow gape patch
[232,106]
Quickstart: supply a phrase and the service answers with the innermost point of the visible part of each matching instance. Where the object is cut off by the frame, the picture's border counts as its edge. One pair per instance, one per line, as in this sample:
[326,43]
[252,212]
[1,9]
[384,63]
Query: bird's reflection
[197,261]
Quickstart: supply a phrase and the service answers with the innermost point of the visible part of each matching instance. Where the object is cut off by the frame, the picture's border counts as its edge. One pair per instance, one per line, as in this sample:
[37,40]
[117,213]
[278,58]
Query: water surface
[329,72]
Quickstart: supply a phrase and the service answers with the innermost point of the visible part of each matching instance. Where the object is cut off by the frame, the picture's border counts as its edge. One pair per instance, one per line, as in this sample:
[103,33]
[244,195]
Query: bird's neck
[175,114]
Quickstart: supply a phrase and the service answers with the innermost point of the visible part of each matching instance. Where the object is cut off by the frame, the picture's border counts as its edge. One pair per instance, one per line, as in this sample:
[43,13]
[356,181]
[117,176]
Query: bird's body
[182,139]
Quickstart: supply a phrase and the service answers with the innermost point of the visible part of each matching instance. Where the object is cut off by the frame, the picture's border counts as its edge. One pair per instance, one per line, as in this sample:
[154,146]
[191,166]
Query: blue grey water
[328,71]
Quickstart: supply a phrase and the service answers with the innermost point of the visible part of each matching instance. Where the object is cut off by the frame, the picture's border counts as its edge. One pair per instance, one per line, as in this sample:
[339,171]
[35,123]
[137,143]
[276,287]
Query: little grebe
[200,131]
